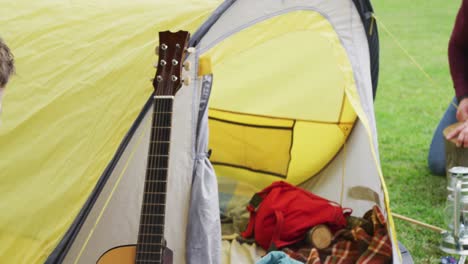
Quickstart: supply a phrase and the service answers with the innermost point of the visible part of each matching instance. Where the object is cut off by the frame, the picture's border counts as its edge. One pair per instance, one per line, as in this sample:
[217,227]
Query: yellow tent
[291,100]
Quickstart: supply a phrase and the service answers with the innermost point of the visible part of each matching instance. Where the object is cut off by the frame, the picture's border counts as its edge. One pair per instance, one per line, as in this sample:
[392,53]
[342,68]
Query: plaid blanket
[352,245]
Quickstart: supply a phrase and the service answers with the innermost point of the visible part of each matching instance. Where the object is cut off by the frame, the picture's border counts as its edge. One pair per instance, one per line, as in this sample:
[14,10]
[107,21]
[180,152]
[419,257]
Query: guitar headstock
[172,51]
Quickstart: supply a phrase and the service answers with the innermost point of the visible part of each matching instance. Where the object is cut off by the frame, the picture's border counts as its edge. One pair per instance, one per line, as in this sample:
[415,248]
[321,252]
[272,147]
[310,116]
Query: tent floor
[405,254]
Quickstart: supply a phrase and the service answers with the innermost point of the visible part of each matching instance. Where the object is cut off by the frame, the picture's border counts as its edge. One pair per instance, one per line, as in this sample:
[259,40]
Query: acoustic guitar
[151,245]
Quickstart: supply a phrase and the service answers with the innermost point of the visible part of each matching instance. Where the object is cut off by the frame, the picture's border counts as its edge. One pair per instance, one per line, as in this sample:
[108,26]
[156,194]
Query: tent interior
[290,88]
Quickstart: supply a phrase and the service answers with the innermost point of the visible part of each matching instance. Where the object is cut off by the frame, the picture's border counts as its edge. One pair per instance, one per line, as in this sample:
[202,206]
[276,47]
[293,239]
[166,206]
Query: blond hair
[7,64]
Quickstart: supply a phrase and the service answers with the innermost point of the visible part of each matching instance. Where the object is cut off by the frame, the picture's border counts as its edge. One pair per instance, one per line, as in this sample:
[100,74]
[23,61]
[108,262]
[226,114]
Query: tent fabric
[88,64]
[367,16]
[203,226]
[187,158]
[276,133]
[83,70]
[346,22]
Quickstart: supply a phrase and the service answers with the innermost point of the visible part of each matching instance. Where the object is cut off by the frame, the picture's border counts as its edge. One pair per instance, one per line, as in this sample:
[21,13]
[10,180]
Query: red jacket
[458,52]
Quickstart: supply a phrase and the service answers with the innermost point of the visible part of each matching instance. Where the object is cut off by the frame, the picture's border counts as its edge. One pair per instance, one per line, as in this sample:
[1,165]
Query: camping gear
[455,240]
[352,244]
[292,99]
[319,236]
[281,214]
[419,223]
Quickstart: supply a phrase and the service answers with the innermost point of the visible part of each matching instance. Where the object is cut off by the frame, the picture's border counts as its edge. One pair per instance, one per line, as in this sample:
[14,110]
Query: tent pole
[419,223]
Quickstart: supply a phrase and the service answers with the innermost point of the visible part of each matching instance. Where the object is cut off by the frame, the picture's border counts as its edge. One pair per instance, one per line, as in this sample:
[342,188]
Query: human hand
[460,134]
[462,111]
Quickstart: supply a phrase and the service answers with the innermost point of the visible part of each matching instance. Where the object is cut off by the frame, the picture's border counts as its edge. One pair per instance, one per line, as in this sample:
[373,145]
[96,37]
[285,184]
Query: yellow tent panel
[305,120]
[83,71]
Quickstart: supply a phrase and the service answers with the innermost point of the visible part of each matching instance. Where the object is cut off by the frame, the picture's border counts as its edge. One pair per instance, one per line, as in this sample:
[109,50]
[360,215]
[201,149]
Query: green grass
[408,107]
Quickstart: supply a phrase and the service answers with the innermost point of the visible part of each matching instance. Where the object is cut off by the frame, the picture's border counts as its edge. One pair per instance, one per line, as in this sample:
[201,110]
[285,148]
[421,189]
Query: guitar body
[127,254]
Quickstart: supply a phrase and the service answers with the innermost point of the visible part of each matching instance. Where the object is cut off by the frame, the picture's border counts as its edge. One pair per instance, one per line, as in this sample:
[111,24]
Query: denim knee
[437,167]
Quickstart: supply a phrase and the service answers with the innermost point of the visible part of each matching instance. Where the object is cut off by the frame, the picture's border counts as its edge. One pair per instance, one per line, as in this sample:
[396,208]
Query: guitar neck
[151,241]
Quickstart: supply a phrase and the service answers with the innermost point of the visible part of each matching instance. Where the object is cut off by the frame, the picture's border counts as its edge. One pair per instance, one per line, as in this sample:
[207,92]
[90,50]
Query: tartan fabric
[353,245]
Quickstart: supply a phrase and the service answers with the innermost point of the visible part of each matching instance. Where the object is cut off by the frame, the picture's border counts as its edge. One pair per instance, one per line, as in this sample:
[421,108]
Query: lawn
[408,107]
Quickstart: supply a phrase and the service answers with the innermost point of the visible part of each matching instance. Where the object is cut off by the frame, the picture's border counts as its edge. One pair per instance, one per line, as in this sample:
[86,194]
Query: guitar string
[151,189]
[158,197]
[153,175]
[141,245]
[161,196]
[145,224]
[167,137]
[158,180]
[160,136]
[155,196]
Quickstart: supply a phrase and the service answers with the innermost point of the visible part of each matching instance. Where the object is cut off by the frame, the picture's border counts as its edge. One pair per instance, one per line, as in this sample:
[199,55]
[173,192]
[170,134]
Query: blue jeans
[436,157]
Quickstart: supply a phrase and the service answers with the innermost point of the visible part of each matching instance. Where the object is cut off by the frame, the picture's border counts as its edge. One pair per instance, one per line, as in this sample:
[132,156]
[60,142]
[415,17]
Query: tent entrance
[275,112]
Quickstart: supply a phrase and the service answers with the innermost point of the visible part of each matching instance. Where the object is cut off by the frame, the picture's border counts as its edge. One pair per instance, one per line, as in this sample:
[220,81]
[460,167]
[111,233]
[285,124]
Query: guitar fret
[153,199]
[156,175]
[155,229]
[162,120]
[162,148]
[160,134]
[159,215]
[155,192]
[152,244]
[156,181]
[160,161]
[154,208]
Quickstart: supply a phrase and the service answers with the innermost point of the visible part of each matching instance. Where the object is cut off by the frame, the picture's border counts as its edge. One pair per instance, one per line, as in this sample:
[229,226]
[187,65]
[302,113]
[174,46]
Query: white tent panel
[114,219]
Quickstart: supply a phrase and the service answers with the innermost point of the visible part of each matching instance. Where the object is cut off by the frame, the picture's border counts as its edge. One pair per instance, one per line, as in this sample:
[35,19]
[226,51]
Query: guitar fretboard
[151,231]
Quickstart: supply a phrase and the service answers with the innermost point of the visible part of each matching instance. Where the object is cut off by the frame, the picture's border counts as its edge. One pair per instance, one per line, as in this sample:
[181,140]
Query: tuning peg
[186,81]
[187,65]
[175,62]
[191,50]
[158,49]
[174,78]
